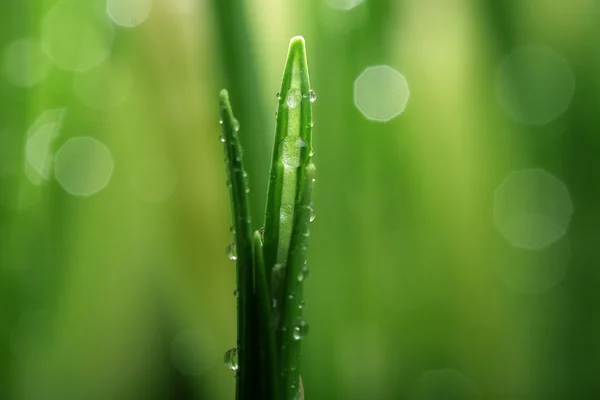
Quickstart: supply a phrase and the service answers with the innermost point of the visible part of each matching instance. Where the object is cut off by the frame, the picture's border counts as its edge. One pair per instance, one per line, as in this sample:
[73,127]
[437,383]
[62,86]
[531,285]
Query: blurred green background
[455,250]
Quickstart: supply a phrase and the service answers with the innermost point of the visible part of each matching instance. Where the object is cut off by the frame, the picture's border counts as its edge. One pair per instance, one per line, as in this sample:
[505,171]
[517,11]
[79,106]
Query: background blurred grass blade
[248,376]
[241,76]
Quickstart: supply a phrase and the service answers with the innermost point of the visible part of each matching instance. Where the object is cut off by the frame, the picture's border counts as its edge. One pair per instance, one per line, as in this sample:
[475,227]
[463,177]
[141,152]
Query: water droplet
[261,232]
[231,359]
[220,121]
[232,229]
[300,330]
[290,153]
[301,304]
[236,292]
[313,215]
[222,139]
[232,251]
[293,98]
[303,273]
[312,124]
[291,296]
[313,96]
[236,125]
[278,95]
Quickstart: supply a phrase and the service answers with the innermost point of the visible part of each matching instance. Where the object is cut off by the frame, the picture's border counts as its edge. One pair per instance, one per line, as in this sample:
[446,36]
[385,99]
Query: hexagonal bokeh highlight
[532,209]
[535,85]
[381,93]
[344,5]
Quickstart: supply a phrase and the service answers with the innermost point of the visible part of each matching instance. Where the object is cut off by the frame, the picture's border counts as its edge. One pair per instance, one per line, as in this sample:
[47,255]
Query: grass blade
[292,152]
[292,326]
[270,381]
[237,181]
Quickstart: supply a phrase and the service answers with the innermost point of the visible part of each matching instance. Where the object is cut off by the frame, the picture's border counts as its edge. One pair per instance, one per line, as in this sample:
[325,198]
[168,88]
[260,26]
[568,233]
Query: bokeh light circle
[129,13]
[75,37]
[535,85]
[344,5]
[532,209]
[381,93]
[83,166]
[38,147]
[24,63]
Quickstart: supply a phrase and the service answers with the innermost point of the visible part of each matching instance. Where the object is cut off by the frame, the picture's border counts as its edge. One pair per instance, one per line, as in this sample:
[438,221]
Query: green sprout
[271,262]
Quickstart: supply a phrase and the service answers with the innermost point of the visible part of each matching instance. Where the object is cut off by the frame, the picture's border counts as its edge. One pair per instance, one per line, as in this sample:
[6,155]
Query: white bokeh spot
[535,85]
[75,37]
[24,64]
[38,147]
[381,93]
[83,166]
[129,13]
[532,209]
[344,5]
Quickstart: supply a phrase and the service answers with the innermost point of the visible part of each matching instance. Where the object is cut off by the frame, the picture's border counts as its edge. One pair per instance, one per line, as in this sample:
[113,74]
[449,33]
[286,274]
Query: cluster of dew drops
[293,97]
[231,359]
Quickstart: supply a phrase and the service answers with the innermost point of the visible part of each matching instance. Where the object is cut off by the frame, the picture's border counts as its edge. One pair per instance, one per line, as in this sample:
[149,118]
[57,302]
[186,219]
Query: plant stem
[237,182]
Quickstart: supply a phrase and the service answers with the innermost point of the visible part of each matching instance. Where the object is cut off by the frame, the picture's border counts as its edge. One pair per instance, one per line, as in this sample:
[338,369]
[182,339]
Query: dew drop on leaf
[300,330]
[313,96]
[303,273]
[231,359]
[293,98]
[313,215]
[232,251]
[290,153]
[236,125]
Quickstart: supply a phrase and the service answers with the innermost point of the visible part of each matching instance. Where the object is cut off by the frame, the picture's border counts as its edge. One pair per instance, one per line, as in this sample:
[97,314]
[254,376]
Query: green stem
[270,381]
[237,182]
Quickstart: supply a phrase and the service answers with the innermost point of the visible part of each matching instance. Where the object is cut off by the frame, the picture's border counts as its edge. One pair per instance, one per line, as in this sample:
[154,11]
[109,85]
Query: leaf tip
[297,43]
[224,95]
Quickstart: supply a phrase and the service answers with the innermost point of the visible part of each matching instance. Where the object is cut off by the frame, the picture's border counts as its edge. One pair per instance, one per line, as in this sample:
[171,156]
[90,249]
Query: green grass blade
[292,152]
[270,381]
[238,187]
[293,327]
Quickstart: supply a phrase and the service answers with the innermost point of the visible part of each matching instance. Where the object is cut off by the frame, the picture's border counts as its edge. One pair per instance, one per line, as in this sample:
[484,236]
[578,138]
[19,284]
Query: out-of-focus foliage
[454,251]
